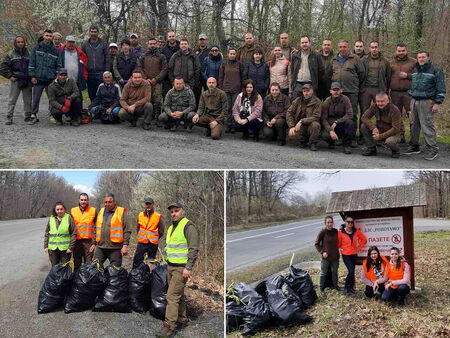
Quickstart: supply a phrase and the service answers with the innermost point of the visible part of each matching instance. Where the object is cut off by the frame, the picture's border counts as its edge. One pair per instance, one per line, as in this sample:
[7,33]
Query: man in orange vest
[112,234]
[84,216]
[150,228]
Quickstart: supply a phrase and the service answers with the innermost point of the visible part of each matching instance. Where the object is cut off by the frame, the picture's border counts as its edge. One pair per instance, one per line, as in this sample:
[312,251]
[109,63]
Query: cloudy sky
[81,180]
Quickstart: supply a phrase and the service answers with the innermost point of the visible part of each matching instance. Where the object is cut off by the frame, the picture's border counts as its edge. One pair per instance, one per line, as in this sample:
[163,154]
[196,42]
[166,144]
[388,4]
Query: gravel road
[120,146]
[24,266]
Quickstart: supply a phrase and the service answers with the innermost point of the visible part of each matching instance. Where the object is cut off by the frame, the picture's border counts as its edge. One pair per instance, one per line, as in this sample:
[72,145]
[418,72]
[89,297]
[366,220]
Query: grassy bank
[427,314]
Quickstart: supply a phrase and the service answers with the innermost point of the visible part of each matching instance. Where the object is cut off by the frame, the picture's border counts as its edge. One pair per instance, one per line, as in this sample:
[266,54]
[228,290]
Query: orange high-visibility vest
[84,222]
[116,230]
[395,274]
[148,228]
[370,274]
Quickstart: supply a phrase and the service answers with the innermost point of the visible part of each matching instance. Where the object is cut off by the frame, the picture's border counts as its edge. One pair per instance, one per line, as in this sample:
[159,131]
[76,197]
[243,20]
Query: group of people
[88,234]
[297,94]
[388,278]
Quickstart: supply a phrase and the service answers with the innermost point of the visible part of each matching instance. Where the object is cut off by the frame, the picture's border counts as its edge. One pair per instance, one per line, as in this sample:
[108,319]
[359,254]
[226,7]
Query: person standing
[124,63]
[348,70]
[14,67]
[303,118]
[60,235]
[153,65]
[202,51]
[84,217]
[306,68]
[150,228]
[64,98]
[182,243]
[43,66]
[98,60]
[136,48]
[350,241]
[211,64]
[286,47]
[171,47]
[327,55]
[244,54]
[401,68]
[427,92]
[279,70]
[258,72]
[212,110]
[57,40]
[327,245]
[358,49]
[231,80]
[113,52]
[112,235]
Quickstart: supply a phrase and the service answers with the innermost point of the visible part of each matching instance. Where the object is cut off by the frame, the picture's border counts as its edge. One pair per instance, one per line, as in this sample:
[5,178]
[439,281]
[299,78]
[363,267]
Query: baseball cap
[202,36]
[307,85]
[149,200]
[113,45]
[70,38]
[336,85]
[133,34]
[177,205]
[62,71]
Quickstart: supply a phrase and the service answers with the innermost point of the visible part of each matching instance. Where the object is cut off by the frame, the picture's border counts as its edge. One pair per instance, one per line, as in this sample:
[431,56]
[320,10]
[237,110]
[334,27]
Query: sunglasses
[214,50]
[351,222]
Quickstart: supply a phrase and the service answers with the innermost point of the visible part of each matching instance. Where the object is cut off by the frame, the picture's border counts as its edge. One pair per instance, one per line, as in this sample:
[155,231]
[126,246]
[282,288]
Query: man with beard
[212,110]
[14,67]
[358,49]
[171,47]
[286,47]
[137,49]
[153,65]
[244,54]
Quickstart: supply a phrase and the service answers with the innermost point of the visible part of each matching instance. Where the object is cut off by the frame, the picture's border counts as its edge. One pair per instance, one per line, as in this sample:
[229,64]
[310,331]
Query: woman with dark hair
[60,235]
[374,272]
[398,284]
[350,241]
[258,71]
[247,111]
[274,114]
[279,70]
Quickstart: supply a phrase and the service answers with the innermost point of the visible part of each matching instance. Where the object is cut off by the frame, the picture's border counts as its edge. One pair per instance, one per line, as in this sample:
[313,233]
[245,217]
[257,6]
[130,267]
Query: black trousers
[141,249]
[350,262]
[113,255]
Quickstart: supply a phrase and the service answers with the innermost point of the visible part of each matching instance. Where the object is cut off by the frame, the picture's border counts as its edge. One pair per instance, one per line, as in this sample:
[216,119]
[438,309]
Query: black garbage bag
[235,315]
[285,304]
[56,287]
[158,291]
[139,280]
[256,310]
[114,297]
[89,282]
[300,281]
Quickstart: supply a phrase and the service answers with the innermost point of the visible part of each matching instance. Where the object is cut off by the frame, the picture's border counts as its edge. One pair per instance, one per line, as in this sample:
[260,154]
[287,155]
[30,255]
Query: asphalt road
[246,248]
[120,146]
[23,269]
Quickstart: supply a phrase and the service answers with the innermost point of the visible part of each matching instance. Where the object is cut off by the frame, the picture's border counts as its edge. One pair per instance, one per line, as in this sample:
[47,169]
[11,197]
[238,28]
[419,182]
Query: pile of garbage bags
[278,301]
[109,290]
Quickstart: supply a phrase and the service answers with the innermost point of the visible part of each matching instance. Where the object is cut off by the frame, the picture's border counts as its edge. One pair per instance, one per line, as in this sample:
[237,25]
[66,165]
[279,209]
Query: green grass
[427,314]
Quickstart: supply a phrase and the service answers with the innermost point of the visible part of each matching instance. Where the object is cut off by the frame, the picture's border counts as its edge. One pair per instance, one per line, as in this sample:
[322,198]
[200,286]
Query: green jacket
[307,112]
[384,72]
[427,83]
[57,92]
[44,62]
[181,100]
[213,102]
[350,74]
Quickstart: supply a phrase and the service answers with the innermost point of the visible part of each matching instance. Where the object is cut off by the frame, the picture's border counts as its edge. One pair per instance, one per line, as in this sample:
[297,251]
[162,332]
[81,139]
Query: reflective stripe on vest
[84,222]
[176,243]
[148,227]
[59,238]
[395,274]
[371,274]
[116,228]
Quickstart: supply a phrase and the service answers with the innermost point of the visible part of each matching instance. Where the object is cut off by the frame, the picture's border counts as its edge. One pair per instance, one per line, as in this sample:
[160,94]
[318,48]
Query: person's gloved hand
[66,106]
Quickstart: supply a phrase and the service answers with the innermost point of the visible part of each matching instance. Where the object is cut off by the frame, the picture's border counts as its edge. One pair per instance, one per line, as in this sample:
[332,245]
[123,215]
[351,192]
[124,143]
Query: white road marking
[285,235]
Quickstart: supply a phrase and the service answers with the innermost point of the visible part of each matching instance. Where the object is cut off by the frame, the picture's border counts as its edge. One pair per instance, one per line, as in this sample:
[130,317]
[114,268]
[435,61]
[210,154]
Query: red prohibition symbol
[396,238]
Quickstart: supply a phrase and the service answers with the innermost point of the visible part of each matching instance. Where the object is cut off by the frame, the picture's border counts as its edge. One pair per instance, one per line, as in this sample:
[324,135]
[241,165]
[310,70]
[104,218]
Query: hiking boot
[347,150]
[256,137]
[281,142]
[165,331]
[331,145]
[412,150]
[337,288]
[33,119]
[303,144]
[360,140]
[313,147]
[401,302]
[51,120]
[370,151]
[8,122]
[395,152]
[245,135]
[146,126]
[353,291]
[189,128]
[430,155]
[182,326]
[26,119]
[354,144]
[133,123]
[208,132]
[346,292]
[174,127]
[75,122]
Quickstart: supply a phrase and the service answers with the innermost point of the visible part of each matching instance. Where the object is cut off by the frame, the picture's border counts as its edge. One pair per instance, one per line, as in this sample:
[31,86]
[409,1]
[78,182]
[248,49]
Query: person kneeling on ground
[178,104]
[388,126]
[212,109]
[274,113]
[374,272]
[247,111]
[399,284]
[64,98]
[337,114]
[106,104]
[135,101]
[303,118]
